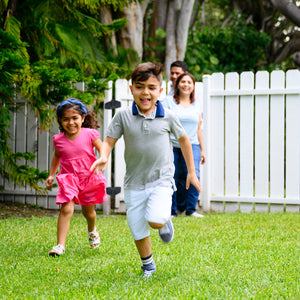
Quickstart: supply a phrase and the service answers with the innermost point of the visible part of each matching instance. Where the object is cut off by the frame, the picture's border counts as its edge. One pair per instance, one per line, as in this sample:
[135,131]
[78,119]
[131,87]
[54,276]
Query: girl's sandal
[94,239]
[57,250]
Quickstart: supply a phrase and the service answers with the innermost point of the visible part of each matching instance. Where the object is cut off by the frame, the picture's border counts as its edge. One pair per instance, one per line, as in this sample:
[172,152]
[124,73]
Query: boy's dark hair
[143,71]
[180,64]
[90,120]
[176,90]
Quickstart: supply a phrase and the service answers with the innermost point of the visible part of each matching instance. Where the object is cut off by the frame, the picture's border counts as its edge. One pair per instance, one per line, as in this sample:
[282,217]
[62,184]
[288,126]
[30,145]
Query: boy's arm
[54,166]
[106,148]
[187,152]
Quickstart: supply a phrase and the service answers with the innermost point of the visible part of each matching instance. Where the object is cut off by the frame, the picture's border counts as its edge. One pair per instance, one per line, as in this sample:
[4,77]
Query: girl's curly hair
[90,120]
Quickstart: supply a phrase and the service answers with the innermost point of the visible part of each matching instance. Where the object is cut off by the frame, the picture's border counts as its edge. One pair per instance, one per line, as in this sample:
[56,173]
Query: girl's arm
[97,144]
[105,150]
[201,142]
[53,169]
[187,152]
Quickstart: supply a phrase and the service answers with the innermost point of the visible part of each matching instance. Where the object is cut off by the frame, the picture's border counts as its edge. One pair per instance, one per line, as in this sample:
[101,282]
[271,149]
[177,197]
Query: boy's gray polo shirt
[148,147]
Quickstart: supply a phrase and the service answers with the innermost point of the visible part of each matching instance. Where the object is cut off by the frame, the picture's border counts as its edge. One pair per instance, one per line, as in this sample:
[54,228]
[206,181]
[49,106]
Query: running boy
[148,184]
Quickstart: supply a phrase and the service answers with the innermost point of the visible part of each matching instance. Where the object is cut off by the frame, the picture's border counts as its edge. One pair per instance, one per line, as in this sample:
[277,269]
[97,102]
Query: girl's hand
[49,182]
[99,165]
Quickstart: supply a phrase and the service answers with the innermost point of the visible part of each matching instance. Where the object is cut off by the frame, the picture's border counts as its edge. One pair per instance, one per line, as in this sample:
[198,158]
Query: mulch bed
[17,210]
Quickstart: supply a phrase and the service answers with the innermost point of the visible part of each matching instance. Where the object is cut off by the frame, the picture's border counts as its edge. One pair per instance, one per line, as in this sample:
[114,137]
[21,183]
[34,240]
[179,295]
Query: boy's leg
[144,249]
[136,202]
[158,211]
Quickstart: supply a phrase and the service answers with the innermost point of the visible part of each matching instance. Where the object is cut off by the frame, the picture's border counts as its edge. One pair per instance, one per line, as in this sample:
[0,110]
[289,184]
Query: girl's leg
[63,222]
[90,215]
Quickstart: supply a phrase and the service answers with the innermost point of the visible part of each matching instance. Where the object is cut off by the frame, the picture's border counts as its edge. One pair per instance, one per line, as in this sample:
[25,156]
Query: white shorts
[152,204]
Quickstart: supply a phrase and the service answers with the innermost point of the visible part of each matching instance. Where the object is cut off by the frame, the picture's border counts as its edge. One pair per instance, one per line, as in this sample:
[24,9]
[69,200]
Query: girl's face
[186,85]
[71,122]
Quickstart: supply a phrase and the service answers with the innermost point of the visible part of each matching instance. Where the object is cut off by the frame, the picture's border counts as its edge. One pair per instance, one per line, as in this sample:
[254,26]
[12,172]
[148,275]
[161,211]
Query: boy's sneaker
[196,215]
[166,233]
[148,269]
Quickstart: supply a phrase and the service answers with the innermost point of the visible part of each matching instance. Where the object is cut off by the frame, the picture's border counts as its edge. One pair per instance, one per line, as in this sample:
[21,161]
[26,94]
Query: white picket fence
[252,142]
[251,134]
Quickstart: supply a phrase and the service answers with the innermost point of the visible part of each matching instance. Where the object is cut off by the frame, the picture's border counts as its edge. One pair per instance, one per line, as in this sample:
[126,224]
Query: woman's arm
[201,142]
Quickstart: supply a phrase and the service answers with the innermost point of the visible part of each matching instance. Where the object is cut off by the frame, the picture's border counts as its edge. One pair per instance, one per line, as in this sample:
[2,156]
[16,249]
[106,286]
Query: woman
[188,112]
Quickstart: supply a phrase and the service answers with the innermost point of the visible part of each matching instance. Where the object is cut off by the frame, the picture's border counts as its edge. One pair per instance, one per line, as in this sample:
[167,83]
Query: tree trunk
[106,18]
[132,35]
[177,28]
[171,50]
[288,9]
[183,27]
[10,8]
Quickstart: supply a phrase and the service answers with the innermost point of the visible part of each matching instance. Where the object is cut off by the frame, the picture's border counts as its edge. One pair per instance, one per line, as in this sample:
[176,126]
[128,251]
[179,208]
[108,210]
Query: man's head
[146,86]
[177,68]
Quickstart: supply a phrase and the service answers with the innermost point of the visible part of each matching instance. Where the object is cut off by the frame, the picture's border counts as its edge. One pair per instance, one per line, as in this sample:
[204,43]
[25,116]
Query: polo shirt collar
[160,112]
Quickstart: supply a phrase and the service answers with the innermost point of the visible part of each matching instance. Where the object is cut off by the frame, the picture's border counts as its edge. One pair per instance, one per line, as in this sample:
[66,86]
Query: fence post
[206,137]
[107,116]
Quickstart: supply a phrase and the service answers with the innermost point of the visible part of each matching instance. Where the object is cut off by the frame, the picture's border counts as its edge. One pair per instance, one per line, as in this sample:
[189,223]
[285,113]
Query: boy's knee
[156,225]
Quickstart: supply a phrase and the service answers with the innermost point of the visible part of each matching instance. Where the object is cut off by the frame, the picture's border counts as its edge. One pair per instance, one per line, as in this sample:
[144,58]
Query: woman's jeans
[184,199]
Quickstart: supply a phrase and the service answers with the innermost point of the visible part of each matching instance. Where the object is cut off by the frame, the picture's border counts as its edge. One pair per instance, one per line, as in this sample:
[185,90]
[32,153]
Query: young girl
[76,184]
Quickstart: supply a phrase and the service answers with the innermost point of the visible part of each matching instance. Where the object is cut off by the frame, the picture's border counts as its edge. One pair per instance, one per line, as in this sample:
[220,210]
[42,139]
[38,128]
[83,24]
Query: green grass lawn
[222,256]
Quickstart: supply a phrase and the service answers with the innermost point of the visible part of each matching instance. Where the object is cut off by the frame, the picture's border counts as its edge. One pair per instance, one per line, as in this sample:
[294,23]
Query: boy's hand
[192,179]
[49,182]
[99,165]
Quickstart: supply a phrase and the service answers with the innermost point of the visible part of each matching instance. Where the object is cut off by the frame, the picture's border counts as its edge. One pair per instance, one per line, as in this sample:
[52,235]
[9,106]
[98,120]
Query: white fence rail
[251,133]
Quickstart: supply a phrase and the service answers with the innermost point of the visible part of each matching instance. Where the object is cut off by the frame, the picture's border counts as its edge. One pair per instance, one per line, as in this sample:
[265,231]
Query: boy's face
[145,94]
[175,73]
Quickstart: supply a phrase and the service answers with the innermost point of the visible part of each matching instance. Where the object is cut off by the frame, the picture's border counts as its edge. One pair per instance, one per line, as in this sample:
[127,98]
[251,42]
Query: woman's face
[186,85]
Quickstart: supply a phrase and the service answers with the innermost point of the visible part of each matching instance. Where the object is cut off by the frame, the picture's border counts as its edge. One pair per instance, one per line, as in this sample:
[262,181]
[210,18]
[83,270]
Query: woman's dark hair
[176,90]
[90,120]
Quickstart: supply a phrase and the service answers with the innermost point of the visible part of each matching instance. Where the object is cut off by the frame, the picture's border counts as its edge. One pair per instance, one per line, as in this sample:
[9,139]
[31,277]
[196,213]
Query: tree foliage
[229,49]
[44,46]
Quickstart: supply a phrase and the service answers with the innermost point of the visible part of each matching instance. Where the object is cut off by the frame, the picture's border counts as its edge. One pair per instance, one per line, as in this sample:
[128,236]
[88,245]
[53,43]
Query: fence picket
[124,95]
[216,156]
[246,141]
[231,140]
[292,139]
[277,138]
[31,146]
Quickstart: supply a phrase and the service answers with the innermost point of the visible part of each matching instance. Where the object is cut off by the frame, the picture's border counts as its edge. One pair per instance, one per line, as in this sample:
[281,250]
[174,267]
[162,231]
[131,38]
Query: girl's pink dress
[75,181]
